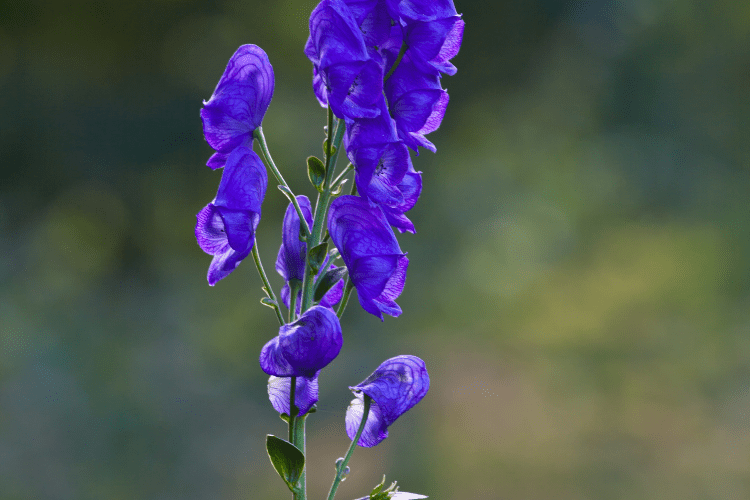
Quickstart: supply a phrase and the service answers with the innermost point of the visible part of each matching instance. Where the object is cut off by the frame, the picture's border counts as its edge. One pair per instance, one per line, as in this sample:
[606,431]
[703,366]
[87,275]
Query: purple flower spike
[226,227]
[239,102]
[305,393]
[305,346]
[395,387]
[366,242]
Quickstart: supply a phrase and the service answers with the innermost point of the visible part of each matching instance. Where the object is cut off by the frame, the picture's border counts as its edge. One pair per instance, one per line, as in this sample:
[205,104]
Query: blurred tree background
[578,286]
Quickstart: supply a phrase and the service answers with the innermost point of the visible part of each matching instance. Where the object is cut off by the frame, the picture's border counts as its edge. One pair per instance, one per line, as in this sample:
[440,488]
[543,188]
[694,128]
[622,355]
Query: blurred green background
[578,287]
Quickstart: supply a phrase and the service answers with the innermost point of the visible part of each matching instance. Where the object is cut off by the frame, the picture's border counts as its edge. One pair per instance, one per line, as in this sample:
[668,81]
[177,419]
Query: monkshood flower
[344,75]
[376,264]
[410,187]
[432,44]
[238,103]
[395,387]
[417,103]
[290,262]
[226,227]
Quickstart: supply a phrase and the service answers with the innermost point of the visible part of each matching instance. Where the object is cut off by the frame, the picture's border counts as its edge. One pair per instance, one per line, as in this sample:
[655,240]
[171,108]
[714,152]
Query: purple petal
[305,393]
[334,35]
[369,132]
[240,100]
[377,267]
[211,233]
[353,89]
[305,346]
[433,44]
[426,10]
[290,262]
[395,387]
[243,181]
[417,113]
[379,171]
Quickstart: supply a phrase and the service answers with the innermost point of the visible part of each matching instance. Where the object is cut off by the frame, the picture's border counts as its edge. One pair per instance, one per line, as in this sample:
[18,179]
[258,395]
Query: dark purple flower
[410,188]
[305,346]
[239,102]
[395,387]
[305,393]
[432,44]
[226,227]
[366,242]
[344,75]
[290,262]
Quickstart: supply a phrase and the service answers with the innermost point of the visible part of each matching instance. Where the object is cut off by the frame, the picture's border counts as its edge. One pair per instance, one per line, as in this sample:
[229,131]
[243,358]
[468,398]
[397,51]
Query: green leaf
[317,255]
[329,279]
[269,303]
[287,459]
[316,172]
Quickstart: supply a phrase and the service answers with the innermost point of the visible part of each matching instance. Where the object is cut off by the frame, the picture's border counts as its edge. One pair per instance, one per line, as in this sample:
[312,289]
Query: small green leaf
[269,303]
[329,279]
[316,255]
[287,192]
[316,172]
[287,459]
[337,190]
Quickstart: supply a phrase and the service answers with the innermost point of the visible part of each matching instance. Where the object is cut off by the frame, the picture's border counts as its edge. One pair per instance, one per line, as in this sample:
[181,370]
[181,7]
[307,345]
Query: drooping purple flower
[238,103]
[344,75]
[395,387]
[226,227]
[290,262]
[432,44]
[410,188]
[376,264]
[417,103]
[305,393]
[305,346]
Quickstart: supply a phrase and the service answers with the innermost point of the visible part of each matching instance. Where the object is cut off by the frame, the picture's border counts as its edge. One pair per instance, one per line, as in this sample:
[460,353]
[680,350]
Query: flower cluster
[378,65]
[226,227]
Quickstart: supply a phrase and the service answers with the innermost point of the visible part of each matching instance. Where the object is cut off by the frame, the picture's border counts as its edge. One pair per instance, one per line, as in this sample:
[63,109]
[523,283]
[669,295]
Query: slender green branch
[298,440]
[345,299]
[398,60]
[341,466]
[292,407]
[341,176]
[258,134]
[266,284]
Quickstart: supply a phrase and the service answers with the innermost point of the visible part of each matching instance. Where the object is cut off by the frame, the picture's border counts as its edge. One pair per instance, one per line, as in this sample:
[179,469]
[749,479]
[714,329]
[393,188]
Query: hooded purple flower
[239,102]
[395,387]
[305,346]
[290,262]
[366,242]
[305,393]
[226,227]
[344,75]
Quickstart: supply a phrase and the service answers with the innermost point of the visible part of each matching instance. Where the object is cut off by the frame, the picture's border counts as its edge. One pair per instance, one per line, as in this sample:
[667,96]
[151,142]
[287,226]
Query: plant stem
[398,60]
[258,134]
[266,284]
[341,468]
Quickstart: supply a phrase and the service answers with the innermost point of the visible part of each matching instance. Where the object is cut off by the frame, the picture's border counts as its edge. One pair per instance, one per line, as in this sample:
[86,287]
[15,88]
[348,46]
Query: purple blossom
[432,44]
[305,346]
[290,262]
[366,242]
[238,103]
[395,387]
[226,227]
[344,75]
[410,188]
[305,393]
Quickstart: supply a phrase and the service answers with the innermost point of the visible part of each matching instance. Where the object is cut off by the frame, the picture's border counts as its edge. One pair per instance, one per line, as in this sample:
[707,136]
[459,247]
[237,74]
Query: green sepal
[329,279]
[316,256]
[269,302]
[316,172]
[287,459]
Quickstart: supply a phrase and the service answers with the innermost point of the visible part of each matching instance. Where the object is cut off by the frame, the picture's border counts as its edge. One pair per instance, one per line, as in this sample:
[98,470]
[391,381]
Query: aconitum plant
[377,67]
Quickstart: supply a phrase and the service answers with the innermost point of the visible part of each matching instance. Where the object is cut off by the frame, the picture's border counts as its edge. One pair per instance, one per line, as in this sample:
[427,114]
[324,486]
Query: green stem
[345,299]
[341,467]
[266,284]
[298,440]
[294,286]
[321,212]
[258,134]
[338,179]
[398,60]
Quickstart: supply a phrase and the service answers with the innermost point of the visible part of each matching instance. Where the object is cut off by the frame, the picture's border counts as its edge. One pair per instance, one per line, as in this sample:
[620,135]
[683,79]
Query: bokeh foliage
[579,283]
